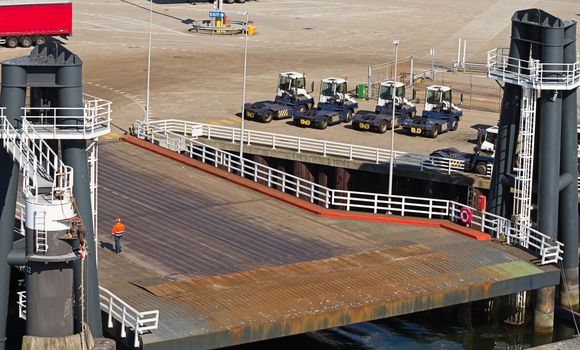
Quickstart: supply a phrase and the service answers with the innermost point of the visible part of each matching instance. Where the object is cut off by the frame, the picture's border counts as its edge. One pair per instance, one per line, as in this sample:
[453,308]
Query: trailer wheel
[12,42]
[383,127]
[268,116]
[481,168]
[348,117]
[323,124]
[434,132]
[39,40]
[455,125]
[241,1]
[25,41]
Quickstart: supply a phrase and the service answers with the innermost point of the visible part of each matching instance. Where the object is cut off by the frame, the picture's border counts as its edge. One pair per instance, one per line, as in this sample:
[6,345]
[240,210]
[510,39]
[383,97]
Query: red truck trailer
[28,22]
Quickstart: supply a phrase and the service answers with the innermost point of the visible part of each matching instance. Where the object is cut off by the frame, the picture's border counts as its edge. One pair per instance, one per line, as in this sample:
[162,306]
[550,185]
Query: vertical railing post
[123,318]
[110,318]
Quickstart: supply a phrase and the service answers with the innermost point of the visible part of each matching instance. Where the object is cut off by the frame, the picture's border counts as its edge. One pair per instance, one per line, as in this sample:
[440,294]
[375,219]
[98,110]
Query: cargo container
[30,22]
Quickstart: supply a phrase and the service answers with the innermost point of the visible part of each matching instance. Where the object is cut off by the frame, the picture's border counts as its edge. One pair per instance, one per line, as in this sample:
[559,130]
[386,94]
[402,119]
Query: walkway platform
[227,265]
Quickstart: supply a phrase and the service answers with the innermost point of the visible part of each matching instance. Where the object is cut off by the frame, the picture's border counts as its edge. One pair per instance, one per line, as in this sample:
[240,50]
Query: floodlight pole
[149,64]
[396,43]
[244,96]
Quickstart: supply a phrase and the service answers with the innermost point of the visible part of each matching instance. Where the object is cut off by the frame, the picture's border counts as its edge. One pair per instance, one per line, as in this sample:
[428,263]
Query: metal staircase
[46,178]
[40,241]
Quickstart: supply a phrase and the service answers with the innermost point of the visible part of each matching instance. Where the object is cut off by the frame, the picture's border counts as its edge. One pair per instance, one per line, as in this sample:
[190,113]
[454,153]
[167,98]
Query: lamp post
[244,95]
[396,43]
[149,63]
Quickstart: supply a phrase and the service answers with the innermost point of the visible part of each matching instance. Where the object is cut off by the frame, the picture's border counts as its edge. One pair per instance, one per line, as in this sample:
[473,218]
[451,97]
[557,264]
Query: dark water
[439,329]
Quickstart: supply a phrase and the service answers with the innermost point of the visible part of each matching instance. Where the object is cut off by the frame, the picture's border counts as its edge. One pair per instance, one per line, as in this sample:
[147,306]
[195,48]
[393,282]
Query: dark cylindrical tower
[568,213]
[74,152]
[13,97]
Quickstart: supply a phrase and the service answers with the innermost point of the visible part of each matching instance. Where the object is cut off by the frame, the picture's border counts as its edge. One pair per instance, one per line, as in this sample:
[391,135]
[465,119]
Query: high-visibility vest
[118,228]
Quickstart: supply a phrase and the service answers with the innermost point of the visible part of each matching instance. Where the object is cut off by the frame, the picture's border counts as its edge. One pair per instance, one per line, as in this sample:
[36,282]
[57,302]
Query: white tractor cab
[292,90]
[439,98]
[335,106]
[486,140]
[381,119]
[334,91]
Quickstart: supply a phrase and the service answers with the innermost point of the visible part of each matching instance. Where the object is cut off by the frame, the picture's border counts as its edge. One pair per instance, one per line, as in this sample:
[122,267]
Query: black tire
[228,1]
[480,168]
[348,117]
[323,124]
[434,132]
[26,41]
[383,127]
[12,42]
[39,40]
[268,116]
[240,1]
[455,125]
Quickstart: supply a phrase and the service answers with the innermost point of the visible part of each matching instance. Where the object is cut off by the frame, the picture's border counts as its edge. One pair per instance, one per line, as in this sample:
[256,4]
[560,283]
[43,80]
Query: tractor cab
[292,89]
[386,93]
[487,140]
[334,91]
[439,98]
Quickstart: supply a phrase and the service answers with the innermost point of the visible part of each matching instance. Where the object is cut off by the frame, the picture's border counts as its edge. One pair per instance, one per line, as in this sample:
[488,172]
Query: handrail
[322,147]
[301,144]
[549,249]
[37,160]
[21,304]
[532,73]
[139,322]
[96,115]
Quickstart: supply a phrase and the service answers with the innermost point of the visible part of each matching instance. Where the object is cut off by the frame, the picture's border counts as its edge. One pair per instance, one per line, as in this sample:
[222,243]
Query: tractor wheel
[12,42]
[481,168]
[240,1]
[26,41]
[323,124]
[229,1]
[268,116]
[39,40]
[383,127]
[455,125]
[434,132]
[348,117]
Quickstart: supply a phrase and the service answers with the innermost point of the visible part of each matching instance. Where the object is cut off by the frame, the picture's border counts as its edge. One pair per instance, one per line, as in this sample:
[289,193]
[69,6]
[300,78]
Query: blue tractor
[439,114]
[381,120]
[291,96]
[334,106]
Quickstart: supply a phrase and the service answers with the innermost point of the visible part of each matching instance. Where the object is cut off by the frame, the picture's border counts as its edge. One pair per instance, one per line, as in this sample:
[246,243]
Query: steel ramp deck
[226,265]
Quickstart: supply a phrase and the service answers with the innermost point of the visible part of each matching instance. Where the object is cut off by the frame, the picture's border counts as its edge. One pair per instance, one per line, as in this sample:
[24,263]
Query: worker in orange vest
[117,232]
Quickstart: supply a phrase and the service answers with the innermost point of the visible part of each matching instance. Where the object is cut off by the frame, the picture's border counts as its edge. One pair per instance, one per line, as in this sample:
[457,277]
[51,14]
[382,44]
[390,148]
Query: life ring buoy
[465,215]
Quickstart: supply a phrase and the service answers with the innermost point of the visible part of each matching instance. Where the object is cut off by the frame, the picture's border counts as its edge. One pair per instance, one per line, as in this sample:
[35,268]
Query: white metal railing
[548,248]
[301,144]
[322,147]
[20,215]
[139,322]
[95,117]
[532,73]
[36,160]
[22,304]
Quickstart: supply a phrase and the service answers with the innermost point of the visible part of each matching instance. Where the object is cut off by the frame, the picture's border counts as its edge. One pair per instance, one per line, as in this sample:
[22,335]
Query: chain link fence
[470,83]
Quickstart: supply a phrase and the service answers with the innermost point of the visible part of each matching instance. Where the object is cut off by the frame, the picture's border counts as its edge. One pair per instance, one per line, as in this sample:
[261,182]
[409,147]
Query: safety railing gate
[546,247]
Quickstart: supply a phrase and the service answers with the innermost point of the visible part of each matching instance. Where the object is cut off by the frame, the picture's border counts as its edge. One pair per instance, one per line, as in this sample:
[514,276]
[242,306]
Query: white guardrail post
[138,322]
[549,249]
